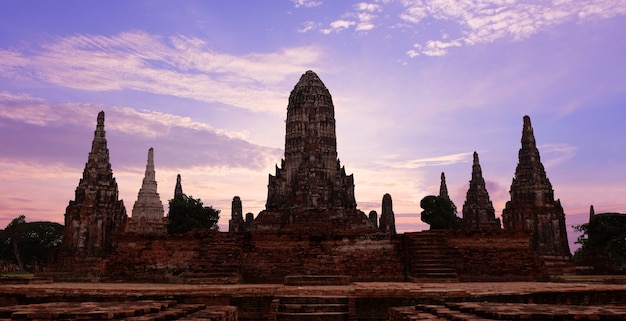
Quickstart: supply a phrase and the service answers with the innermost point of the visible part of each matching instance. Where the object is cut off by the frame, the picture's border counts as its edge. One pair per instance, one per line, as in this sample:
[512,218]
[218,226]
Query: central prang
[310,192]
[310,176]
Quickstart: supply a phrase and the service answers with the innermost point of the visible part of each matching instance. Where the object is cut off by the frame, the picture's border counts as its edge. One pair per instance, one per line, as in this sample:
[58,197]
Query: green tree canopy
[30,243]
[439,212]
[187,213]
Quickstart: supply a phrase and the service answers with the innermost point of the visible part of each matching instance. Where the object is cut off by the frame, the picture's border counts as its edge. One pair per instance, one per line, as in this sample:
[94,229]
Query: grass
[24,275]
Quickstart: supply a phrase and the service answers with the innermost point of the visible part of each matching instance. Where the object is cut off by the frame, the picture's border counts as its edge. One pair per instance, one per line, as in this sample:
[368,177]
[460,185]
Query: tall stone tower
[311,175]
[310,190]
[532,207]
[478,211]
[148,214]
[96,213]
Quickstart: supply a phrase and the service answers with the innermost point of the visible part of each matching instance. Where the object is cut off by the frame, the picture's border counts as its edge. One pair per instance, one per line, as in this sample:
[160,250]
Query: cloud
[35,129]
[557,153]
[370,7]
[338,25]
[430,161]
[473,21]
[362,19]
[307,26]
[486,21]
[438,48]
[306,3]
[178,65]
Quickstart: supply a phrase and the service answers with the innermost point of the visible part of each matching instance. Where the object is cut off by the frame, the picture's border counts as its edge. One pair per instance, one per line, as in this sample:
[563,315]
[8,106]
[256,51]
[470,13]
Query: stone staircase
[297,308]
[430,258]
[559,265]
[485,311]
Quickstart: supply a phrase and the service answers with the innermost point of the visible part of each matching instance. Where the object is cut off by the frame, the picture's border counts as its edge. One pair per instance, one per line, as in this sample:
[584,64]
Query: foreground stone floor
[576,299]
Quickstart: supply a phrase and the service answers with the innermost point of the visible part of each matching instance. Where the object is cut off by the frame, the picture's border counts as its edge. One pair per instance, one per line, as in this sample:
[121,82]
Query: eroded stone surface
[148,214]
[478,211]
[532,207]
[96,213]
[310,185]
[143,310]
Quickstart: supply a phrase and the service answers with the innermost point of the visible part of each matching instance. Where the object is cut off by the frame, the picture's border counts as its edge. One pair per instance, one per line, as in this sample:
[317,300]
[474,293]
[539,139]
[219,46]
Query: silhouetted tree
[603,240]
[187,213]
[30,243]
[439,212]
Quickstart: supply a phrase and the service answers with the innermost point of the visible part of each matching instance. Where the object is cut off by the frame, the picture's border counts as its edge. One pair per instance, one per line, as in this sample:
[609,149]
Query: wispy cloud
[362,18]
[307,26]
[473,21]
[177,65]
[135,130]
[557,153]
[306,3]
[429,161]
[486,21]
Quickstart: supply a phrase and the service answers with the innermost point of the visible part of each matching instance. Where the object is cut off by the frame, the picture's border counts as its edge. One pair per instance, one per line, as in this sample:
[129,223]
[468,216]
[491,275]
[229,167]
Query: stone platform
[356,301]
[143,310]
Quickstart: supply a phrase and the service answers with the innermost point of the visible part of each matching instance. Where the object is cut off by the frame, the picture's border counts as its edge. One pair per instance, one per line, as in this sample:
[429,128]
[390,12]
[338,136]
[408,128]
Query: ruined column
[236,223]
[373,216]
[387,218]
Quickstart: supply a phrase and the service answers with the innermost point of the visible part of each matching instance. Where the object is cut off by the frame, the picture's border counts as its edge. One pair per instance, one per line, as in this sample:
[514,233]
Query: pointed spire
[532,207]
[150,175]
[178,190]
[98,162]
[478,211]
[148,204]
[476,170]
[443,189]
[528,137]
[96,213]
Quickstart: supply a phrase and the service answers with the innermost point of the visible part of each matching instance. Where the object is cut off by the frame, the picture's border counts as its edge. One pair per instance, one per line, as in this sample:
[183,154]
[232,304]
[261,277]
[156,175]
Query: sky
[417,85]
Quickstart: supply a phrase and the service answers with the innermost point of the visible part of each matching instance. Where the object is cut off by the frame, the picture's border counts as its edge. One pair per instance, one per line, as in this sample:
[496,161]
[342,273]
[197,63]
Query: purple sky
[417,86]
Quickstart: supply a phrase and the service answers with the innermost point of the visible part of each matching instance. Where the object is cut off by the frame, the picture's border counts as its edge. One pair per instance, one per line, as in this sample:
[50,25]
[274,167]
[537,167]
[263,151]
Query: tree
[603,239]
[439,212]
[187,213]
[12,235]
[30,243]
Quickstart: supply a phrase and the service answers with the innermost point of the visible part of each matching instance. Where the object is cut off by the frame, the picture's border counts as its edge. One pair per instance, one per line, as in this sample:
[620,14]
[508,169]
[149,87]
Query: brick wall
[496,256]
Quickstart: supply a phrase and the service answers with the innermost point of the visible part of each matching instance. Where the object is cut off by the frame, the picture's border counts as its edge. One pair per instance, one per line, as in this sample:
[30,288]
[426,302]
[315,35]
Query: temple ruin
[311,230]
[96,214]
[532,207]
[311,189]
[478,211]
[148,214]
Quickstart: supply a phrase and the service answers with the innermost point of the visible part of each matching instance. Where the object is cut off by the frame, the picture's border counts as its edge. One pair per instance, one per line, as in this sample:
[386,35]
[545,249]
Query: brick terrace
[364,300]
